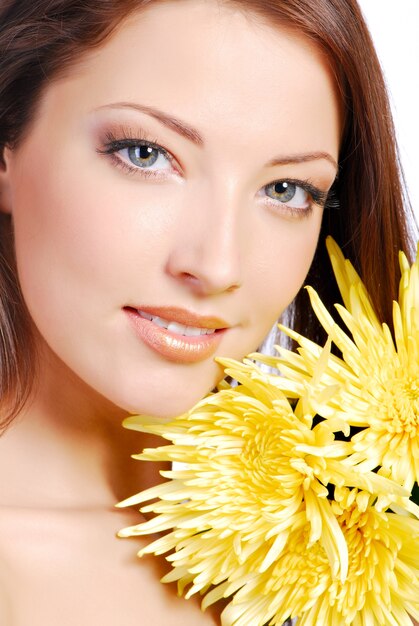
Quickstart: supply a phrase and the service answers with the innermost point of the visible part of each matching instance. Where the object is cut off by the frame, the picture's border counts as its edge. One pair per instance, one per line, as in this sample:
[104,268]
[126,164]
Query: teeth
[159,321]
[194,332]
[174,327]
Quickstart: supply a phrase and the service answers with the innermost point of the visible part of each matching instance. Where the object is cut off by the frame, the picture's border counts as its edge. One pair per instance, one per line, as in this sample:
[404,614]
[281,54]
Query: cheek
[84,251]
[281,260]
[275,276]
[76,239]
[284,264]
[56,236]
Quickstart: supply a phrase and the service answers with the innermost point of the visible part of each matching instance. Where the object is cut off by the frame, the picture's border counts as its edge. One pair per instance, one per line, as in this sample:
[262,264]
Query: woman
[167,170]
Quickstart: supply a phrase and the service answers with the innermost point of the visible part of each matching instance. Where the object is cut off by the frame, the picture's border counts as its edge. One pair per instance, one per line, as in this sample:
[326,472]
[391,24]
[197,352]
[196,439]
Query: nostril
[233,287]
[203,268]
[189,278]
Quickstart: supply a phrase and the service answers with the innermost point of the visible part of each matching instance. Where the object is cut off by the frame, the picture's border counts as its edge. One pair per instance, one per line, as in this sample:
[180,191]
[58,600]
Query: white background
[394,25]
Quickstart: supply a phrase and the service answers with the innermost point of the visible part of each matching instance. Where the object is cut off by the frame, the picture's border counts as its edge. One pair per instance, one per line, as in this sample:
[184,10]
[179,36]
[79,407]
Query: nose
[208,246]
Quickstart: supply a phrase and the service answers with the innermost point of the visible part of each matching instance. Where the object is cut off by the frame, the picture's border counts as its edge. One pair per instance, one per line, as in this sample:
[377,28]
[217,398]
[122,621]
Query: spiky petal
[255,480]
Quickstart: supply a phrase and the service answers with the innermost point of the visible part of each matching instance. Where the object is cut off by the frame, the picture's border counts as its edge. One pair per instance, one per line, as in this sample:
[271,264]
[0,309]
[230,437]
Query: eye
[294,197]
[137,155]
[289,193]
[146,156]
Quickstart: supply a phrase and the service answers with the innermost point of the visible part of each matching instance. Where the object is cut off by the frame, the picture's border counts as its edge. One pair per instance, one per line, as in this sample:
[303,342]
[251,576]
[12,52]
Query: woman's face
[176,175]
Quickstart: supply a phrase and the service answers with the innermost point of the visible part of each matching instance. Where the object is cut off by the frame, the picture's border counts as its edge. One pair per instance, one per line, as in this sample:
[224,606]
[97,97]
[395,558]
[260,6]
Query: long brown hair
[42,39]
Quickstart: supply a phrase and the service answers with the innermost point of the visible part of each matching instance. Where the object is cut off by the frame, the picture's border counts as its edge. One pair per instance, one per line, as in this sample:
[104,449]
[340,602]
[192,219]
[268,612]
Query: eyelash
[316,197]
[114,144]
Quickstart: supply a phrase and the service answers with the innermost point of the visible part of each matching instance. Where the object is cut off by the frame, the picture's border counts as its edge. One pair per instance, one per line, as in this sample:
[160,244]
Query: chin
[165,411]
[164,393]
[167,404]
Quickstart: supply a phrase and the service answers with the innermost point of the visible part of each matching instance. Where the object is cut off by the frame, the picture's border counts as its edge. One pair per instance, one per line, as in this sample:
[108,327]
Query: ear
[5,187]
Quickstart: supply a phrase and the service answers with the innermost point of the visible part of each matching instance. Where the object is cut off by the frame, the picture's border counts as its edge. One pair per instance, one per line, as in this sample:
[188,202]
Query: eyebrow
[168,120]
[303,158]
[187,131]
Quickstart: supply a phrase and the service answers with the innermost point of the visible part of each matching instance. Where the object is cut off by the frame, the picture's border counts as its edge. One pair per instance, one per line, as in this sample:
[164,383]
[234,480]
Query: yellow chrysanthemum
[380,588]
[269,508]
[377,378]
[255,480]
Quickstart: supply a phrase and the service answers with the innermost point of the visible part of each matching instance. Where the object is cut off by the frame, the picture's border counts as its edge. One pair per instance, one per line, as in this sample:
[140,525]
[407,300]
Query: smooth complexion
[199,231]
[172,181]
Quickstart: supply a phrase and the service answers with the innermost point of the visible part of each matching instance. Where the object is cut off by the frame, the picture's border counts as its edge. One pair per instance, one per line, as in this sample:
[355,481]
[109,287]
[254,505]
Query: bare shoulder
[8,538]
[69,569]
[6,602]
[6,609]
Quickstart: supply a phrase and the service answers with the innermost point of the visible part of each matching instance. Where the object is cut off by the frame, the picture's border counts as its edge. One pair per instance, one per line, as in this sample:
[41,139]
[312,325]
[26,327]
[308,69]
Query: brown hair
[41,39]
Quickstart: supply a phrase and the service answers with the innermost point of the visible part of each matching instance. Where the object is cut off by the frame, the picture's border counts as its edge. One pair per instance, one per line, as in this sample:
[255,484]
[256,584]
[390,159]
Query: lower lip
[172,346]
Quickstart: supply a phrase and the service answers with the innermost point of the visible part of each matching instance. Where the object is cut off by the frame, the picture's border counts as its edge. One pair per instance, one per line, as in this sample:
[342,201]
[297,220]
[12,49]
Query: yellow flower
[381,587]
[268,507]
[255,481]
[376,383]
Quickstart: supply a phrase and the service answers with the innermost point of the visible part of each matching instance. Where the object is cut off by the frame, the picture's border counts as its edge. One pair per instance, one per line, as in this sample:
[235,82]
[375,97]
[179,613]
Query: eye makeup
[300,203]
[114,143]
[136,154]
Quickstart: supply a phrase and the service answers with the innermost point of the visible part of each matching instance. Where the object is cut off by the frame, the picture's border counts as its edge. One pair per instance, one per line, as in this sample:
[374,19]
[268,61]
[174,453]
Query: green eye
[139,156]
[282,191]
[143,155]
[288,193]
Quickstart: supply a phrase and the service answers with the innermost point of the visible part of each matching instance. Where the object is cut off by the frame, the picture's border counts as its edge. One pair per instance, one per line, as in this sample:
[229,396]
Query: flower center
[267,462]
[302,566]
[400,407]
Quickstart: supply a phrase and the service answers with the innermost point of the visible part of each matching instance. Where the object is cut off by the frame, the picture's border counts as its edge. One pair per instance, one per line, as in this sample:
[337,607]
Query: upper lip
[182,316]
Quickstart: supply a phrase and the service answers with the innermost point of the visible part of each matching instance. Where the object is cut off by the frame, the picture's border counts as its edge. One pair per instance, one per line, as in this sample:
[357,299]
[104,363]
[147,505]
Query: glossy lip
[173,346]
[182,316]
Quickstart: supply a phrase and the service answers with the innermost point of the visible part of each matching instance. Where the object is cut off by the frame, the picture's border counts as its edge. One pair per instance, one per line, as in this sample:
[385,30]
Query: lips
[175,327]
[177,334]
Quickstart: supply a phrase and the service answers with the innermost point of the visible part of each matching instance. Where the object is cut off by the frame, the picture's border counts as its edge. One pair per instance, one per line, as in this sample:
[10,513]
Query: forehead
[216,66]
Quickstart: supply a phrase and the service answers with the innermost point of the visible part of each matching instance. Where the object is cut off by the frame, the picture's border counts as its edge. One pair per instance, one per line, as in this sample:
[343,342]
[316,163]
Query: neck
[67,448]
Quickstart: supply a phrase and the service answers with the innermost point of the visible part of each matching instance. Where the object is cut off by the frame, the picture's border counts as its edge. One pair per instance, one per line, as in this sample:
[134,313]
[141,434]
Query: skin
[92,238]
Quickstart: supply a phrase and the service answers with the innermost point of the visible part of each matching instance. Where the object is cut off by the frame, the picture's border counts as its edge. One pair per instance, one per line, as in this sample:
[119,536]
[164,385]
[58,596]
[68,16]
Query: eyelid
[317,197]
[124,138]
